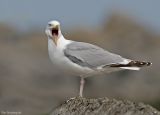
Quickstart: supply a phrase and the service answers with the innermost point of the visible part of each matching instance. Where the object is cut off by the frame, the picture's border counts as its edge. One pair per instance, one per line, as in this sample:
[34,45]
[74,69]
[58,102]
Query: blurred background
[31,84]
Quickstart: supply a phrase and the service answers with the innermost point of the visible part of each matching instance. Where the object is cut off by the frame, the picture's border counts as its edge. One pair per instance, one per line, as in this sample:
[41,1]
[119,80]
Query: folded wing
[85,54]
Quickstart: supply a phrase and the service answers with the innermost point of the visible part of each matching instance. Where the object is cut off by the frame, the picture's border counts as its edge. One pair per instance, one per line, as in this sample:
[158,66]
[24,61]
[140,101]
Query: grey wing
[89,55]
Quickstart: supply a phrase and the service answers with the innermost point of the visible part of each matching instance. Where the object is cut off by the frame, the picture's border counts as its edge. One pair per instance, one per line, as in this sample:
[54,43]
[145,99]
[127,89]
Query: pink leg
[81,87]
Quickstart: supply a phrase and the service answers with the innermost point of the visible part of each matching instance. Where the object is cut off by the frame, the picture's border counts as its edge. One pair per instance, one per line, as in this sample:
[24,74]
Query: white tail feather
[131,68]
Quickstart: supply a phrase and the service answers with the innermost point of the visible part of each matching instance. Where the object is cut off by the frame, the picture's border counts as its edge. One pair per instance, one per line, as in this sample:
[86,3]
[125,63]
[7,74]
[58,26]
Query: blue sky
[25,14]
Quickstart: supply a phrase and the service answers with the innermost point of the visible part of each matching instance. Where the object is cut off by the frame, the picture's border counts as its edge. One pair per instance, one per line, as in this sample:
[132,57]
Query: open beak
[54,31]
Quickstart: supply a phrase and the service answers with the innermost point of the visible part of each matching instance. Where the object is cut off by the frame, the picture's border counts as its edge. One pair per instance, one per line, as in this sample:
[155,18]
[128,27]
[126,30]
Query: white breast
[60,61]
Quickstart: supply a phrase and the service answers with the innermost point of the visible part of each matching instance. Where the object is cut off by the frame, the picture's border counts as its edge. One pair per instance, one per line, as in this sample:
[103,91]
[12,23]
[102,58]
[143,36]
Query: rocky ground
[103,106]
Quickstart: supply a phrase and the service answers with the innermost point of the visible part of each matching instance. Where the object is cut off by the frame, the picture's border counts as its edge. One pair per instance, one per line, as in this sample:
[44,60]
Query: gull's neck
[61,43]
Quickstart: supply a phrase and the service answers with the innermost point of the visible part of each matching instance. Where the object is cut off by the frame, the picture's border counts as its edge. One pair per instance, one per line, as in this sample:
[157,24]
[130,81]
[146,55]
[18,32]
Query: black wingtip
[133,64]
[148,63]
[140,63]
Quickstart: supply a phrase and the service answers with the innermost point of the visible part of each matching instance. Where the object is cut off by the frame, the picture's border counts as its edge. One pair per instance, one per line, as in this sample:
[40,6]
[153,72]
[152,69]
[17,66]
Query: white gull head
[53,31]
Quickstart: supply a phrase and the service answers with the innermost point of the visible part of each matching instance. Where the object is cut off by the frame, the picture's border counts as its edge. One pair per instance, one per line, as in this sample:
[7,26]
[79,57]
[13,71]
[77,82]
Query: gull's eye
[49,25]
